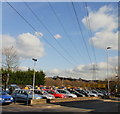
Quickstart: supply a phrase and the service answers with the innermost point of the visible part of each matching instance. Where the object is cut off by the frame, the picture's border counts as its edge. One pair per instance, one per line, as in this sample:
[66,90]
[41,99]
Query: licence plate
[7,101]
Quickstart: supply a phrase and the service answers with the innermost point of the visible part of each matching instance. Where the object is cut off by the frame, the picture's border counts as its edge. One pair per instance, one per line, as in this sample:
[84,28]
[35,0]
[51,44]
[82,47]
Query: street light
[34,76]
[116,87]
[107,68]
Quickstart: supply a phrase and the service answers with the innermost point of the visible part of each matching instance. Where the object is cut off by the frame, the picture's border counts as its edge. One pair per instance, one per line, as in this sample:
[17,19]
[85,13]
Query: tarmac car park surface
[101,105]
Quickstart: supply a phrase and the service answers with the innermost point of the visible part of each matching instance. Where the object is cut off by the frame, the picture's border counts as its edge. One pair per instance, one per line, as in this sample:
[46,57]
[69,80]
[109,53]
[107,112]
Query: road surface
[102,105]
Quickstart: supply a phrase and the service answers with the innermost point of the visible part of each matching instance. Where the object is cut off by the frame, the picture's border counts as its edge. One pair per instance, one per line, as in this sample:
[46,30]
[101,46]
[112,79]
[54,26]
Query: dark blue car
[5,98]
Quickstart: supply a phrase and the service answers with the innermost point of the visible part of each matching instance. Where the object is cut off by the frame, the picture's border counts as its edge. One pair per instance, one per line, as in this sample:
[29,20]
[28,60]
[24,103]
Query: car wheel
[70,96]
[57,97]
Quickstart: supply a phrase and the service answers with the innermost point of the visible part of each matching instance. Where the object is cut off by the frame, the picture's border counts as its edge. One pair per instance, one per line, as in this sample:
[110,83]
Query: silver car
[44,94]
[91,94]
[67,93]
[23,95]
[98,93]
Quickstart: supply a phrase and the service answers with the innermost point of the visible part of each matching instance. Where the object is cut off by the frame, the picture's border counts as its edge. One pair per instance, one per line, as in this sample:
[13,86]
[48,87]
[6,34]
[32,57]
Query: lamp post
[108,48]
[116,87]
[34,76]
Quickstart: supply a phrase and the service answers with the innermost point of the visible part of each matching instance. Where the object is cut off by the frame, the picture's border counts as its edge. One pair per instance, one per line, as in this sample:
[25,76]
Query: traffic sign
[4,77]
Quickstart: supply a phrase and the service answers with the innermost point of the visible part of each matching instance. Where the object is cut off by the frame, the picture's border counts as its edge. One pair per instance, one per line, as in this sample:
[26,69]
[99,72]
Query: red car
[55,93]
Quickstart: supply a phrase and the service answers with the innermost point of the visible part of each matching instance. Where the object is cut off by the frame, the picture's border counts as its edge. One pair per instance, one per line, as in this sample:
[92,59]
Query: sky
[66,38]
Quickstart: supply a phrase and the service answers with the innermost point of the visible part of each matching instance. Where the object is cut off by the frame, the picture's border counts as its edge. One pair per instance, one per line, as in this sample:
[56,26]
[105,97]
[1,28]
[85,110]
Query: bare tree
[10,60]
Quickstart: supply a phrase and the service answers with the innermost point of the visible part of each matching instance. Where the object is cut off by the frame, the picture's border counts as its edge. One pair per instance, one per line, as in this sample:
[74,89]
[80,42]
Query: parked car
[76,93]
[67,93]
[83,92]
[91,94]
[44,94]
[98,93]
[117,94]
[22,95]
[105,94]
[55,93]
[15,86]
[11,88]
[29,86]
[5,98]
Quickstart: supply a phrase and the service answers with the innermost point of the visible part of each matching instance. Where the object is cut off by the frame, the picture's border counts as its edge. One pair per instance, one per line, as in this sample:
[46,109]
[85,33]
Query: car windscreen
[41,92]
[3,93]
[93,91]
[63,91]
[67,92]
[49,91]
[57,92]
[30,92]
[44,92]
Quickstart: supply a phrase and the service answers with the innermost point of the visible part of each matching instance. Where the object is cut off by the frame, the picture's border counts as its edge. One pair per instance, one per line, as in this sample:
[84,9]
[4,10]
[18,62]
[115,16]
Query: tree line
[25,77]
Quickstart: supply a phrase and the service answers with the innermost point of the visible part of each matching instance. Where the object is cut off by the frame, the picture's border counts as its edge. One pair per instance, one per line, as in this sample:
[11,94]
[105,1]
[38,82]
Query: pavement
[41,108]
[89,106]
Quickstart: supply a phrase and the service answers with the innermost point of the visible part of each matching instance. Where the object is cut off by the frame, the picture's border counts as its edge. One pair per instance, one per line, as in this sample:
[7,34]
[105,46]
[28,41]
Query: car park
[44,94]
[67,93]
[14,86]
[29,86]
[11,88]
[117,94]
[55,93]
[105,94]
[91,94]
[83,92]
[23,95]
[98,93]
[76,93]
[5,98]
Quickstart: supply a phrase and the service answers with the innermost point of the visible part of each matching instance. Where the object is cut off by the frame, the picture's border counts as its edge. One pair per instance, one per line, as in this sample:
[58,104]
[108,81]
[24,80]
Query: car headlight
[3,99]
[0,98]
[11,98]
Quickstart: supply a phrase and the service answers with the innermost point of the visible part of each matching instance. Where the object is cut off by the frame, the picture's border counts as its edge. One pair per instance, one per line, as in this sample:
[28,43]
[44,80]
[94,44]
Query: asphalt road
[101,105]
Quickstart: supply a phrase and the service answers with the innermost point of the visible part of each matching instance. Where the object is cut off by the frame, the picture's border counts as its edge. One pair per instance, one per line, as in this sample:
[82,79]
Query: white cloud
[8,41]
[105,23]
[57,36]
[54,71]
[102,19]
[79,68]
[27,45]
[30,44]
[69,71]
[113,61]
[23,68]
[104,39]
[82,67]
[86,71]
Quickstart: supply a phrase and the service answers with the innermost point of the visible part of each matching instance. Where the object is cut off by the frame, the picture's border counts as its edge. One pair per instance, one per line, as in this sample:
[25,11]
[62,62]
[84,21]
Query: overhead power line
[21,16]
[71,17]
[81,31]
[42,36]
[90,34]
[89,25]
[40,21]
[68,37]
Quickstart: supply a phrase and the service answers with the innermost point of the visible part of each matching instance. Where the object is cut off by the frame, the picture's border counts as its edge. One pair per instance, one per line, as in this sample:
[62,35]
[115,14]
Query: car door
[24,95]
[18,95]
[40,93]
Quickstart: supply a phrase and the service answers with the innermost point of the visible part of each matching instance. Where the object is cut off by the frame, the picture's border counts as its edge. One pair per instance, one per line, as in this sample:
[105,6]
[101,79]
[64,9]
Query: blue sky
[48,59]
